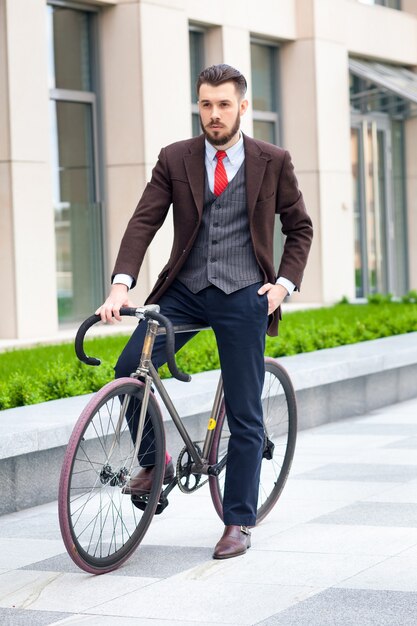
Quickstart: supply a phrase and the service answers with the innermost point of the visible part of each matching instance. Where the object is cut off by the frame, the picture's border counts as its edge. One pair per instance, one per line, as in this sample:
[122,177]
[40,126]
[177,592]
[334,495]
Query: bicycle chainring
[187,481]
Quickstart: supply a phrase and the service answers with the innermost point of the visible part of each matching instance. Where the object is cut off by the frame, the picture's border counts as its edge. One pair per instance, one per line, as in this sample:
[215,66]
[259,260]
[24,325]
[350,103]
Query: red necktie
[220,176]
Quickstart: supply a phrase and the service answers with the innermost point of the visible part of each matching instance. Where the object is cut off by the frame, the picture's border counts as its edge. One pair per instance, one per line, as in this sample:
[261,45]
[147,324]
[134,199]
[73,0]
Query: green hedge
[48,372]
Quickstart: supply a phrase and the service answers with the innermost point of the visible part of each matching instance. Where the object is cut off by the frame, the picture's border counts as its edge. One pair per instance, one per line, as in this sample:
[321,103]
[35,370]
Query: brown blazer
[178,178]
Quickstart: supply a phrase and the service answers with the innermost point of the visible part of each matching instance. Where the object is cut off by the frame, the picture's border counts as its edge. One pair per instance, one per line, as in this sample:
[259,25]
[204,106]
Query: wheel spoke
[95,515]
[280,418]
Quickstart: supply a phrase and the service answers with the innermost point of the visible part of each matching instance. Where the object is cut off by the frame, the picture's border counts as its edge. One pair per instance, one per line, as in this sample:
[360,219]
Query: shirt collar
[232,153]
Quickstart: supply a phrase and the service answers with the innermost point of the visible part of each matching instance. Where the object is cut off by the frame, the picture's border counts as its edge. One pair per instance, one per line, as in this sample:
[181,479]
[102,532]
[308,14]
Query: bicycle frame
[147,372]
[100,527]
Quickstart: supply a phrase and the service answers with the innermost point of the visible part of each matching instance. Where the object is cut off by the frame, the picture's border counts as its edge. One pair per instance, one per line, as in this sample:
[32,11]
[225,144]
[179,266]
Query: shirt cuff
[289,286]
[123,279]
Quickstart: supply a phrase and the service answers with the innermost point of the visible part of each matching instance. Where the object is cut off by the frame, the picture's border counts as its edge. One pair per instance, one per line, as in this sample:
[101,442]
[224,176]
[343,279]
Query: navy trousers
[239,321]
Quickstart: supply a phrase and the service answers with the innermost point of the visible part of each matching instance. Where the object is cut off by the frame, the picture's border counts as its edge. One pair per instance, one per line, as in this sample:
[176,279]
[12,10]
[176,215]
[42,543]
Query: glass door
[371,177]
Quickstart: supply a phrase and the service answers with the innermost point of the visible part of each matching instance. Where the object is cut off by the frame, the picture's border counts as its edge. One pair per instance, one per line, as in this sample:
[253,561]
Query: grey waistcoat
[222,254]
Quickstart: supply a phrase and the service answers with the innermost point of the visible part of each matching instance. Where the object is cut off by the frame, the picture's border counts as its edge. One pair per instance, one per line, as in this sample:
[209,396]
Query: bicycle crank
[187,481]
[269,447]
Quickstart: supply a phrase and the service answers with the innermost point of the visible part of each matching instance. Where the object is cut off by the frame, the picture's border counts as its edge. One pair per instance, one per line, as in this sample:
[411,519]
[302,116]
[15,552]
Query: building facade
[90,91]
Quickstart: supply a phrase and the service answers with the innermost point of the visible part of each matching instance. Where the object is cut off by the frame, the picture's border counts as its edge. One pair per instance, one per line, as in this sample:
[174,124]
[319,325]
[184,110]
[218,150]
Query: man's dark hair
[218,74]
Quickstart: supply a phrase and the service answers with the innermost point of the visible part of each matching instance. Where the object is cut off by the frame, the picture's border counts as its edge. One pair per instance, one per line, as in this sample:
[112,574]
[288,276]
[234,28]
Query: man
[225,190]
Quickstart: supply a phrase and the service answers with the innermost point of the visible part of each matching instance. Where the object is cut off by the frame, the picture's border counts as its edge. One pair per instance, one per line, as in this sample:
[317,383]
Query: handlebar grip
[170,346]
[79,338]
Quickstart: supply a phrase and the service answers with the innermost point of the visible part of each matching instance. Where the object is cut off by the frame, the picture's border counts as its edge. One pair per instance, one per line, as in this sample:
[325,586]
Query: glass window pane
[370,212]
[382,212]
[399,208]
[77,214]
[196,128]
[392,4]
[264,131]
[196,59]
[263,77]
[71,56]
[358,225]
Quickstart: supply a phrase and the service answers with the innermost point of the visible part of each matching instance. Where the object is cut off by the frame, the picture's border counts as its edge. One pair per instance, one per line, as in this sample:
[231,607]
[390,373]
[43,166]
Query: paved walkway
[340,548]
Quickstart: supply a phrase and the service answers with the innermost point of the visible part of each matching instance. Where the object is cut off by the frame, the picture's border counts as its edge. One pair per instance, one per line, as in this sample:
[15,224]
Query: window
[381,98]
[264,65]
[264,72]
[197,64]
[76,188]
[401,279]
[376,86]
[391,4]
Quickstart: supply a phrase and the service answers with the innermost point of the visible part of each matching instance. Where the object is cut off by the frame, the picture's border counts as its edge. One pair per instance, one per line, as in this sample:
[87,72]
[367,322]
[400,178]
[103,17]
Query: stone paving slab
[349,608]
[340,547]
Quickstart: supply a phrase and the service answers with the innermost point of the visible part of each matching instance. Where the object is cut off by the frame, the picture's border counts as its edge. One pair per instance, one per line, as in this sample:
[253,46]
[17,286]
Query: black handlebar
[132,312]
[170,345]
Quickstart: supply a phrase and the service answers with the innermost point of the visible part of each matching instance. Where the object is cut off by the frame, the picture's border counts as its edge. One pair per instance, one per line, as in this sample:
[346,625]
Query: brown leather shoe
[142,482]
[234,542]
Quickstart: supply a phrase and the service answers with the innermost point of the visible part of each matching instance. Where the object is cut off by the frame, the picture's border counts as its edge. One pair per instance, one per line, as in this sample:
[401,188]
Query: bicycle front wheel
[280,432]
[100,525]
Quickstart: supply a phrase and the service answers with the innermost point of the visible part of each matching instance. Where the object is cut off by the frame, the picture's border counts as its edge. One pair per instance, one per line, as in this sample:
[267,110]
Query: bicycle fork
[143,372]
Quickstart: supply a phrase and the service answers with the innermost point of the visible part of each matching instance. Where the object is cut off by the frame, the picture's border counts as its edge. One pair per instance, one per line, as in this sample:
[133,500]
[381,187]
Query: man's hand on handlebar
[110,309]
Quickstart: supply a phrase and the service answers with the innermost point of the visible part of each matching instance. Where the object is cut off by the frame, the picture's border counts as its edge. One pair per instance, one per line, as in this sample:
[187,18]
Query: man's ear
[243,106]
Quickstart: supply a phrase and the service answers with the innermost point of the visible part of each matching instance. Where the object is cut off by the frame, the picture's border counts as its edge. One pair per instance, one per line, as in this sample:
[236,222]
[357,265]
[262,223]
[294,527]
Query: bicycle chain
[182,473]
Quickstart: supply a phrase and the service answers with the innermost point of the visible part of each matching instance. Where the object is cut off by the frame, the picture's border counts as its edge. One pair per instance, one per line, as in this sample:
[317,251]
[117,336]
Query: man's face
[220,112]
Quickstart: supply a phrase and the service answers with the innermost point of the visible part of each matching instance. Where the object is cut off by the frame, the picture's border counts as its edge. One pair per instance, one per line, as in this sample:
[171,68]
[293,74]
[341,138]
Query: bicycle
[100,525]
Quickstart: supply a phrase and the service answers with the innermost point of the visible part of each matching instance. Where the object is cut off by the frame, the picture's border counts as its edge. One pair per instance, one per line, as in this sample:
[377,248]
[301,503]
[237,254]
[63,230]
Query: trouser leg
[240,322]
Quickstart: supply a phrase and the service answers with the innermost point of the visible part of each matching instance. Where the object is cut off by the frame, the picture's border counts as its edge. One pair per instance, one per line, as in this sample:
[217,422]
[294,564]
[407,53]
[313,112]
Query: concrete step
[331,384]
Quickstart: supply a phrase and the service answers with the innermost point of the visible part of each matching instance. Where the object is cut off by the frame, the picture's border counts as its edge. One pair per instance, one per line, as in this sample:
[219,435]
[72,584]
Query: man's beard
[223,140]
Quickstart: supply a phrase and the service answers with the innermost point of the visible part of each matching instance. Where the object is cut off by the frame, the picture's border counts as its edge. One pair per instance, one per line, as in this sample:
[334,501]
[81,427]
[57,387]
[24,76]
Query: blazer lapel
[196,171]
[255,166]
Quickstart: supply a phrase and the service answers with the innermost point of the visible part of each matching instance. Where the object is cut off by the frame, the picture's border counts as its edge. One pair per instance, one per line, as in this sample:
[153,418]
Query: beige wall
[145,101]
[410,6]
[316,126]
[367,28]
[166,101]
[28,238]
[124,155]
[7,270]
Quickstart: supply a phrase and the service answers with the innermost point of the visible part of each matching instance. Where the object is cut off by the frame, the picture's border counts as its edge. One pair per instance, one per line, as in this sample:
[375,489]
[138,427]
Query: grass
[28,376]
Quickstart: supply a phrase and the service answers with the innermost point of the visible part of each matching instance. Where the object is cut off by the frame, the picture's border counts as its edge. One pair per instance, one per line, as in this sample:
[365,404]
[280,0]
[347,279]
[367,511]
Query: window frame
[194,105]
[92,98]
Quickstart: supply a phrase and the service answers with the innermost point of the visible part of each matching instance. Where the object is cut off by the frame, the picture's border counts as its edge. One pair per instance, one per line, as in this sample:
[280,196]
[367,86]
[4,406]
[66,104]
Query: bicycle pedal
[162,504]
[141,502]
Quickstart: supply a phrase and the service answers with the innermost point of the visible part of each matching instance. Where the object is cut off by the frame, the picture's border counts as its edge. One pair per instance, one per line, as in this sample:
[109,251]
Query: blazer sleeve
[296,225]
[146,220]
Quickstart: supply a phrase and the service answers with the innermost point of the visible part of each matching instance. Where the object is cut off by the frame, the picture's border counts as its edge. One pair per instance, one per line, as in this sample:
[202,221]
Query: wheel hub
[118,478]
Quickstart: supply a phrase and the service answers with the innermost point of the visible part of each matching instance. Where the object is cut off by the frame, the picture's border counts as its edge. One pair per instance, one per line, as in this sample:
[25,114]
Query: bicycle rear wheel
[280,428]
[100,525]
